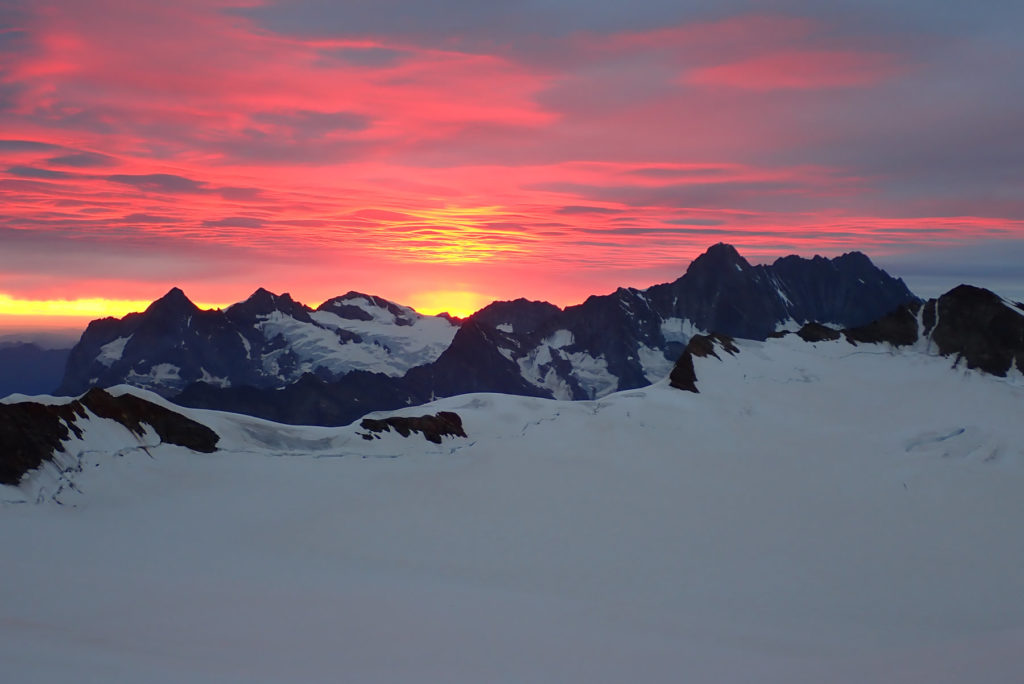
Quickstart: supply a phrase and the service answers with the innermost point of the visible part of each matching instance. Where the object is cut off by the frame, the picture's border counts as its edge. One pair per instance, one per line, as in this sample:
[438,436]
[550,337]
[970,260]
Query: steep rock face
[164,348]
[722,292]
[683,375]
[267,341]
[32,433]
[981,328]
[899,328]
[520,316]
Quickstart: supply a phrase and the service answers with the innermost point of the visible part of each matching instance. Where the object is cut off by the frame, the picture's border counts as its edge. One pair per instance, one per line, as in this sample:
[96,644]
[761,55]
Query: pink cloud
[263,159]
[799,69]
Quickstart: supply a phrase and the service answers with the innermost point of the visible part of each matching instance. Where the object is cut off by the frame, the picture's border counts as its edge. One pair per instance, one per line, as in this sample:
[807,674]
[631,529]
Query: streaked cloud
[536,149]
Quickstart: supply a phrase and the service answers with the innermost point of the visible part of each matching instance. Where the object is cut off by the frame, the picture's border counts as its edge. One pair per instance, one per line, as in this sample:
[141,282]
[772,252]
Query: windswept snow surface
[818,513]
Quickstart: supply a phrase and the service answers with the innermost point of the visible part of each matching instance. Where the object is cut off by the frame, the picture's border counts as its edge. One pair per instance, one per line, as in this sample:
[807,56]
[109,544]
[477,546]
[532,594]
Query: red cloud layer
[178,143]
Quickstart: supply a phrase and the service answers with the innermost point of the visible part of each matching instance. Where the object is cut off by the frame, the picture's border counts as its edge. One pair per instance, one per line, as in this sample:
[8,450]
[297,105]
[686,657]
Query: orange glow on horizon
[455,302]
[87,308]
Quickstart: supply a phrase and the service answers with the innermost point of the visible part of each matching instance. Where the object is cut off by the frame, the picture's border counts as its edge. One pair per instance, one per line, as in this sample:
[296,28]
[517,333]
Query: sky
[450,153]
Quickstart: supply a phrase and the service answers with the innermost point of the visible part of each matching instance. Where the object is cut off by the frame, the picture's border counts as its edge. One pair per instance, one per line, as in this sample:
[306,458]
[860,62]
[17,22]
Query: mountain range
[276,358]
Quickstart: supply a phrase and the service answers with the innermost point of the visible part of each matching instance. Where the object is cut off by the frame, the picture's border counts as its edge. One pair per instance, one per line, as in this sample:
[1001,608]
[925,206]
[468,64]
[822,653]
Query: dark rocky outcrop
[134,413]
[433,428]
[898,328]
[816,332]
[683,375]
[32,433]
[971,324]
[979,328]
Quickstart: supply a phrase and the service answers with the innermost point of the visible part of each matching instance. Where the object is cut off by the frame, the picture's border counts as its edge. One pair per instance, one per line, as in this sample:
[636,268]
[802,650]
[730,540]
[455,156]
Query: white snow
[679,329]
[46,399]
[159,375]
[824,513]
[559,339]
[505,327]
[788,325]
[590,372]
[216,380]
[654,363]
[112,351]
[246,345]
[1012,305]
[386,348]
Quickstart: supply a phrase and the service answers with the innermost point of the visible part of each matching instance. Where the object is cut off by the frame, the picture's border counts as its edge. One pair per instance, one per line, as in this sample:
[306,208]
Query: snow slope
[818,513]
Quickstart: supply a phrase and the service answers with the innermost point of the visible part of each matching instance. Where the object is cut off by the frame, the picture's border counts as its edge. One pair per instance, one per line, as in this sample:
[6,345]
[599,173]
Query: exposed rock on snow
[433,428]
[816,332]
[977,326]
[683,375]
[31,433]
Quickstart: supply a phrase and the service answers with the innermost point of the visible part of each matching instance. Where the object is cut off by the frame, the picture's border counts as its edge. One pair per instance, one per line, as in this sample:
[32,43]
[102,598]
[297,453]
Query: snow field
[817,513]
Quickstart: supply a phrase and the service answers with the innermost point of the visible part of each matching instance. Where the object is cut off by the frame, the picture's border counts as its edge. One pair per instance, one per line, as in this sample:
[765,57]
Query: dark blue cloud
[83,160]
[305,123]
[33,172]
[368,56]
[165,183]
[27,146]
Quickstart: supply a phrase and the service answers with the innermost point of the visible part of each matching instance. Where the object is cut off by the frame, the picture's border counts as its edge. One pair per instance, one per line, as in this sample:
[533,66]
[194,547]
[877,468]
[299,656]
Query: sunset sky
[444,154]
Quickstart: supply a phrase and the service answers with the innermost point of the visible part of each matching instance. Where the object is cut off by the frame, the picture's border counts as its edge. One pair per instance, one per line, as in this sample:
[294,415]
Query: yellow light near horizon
[455,302]
[91,307]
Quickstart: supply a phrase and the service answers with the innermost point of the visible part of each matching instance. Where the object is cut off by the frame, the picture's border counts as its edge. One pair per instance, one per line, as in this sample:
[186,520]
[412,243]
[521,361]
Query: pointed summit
[262,302]
[174,302]
[719,259]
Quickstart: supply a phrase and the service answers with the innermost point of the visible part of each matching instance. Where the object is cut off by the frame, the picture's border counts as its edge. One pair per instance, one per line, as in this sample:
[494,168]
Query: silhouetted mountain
[267,341]
[623,340]
[274,357]
[632,337]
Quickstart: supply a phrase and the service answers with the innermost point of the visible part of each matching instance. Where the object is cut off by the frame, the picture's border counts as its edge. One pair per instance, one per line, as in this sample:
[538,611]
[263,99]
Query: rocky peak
[524,315]
[263,302]
[980,327]
[174,303]
[719,259]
